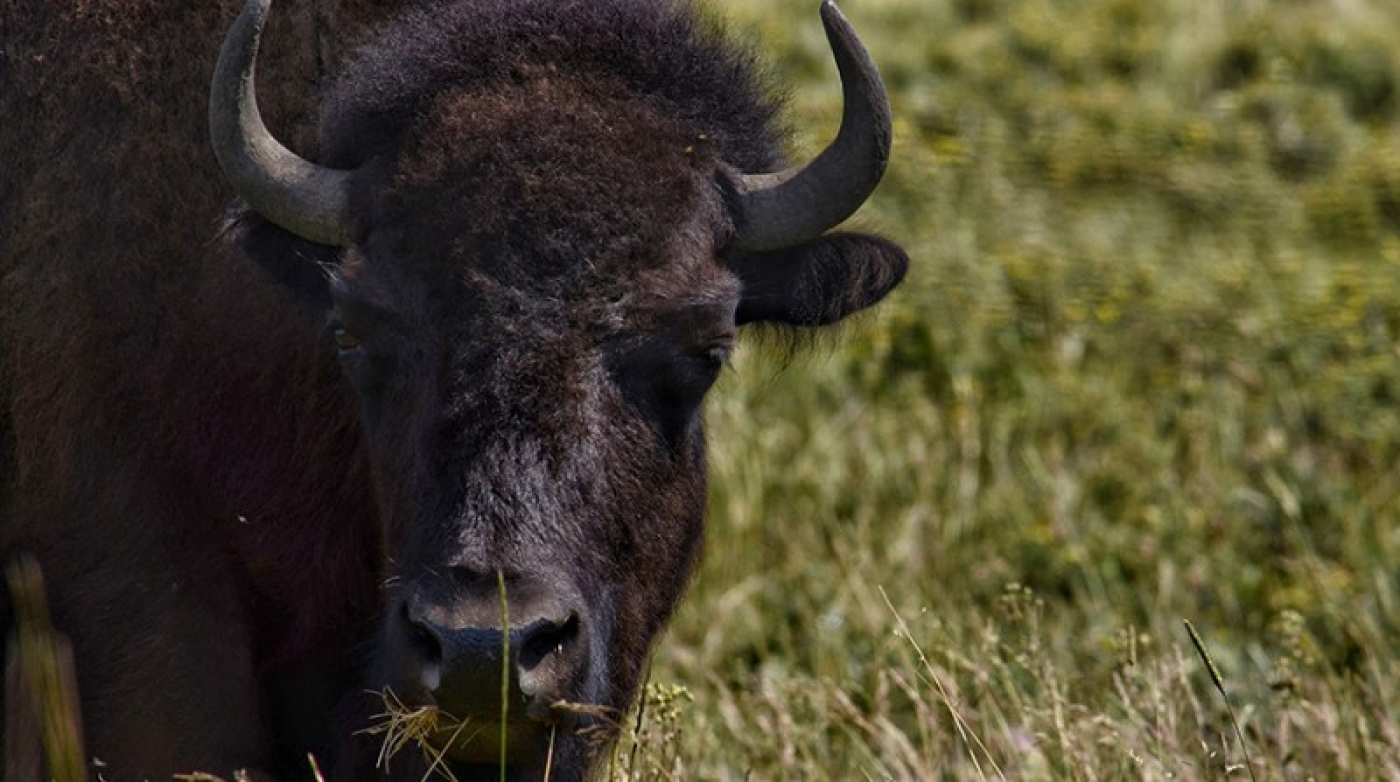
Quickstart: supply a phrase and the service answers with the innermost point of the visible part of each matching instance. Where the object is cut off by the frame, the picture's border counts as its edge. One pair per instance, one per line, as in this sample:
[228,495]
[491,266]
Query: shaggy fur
[244,530]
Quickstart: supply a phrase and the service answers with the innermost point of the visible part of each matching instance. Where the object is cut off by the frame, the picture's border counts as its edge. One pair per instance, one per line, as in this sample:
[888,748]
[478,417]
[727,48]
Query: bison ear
[818,282]
[299,266]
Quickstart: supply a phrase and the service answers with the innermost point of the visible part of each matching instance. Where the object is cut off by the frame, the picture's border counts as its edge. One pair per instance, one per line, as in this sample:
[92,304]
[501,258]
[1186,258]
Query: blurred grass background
[1145,369]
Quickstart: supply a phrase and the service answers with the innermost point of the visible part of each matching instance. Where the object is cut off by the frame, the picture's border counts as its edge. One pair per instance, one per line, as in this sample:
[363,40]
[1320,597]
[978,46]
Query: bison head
[533,240]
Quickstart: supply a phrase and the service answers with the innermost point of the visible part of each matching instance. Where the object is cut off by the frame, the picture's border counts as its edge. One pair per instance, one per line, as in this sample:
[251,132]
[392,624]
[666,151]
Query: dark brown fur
[228,516]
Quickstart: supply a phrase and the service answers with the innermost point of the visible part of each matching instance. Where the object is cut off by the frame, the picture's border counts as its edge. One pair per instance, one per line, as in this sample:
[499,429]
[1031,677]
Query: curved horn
[300,196]
[788,207]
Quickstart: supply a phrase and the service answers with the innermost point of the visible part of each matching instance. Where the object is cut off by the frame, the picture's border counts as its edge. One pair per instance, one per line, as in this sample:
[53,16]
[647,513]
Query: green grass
[1145,370]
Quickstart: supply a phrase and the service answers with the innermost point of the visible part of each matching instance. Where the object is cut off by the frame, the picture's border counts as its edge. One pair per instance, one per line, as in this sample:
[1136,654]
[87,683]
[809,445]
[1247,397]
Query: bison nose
[462,652]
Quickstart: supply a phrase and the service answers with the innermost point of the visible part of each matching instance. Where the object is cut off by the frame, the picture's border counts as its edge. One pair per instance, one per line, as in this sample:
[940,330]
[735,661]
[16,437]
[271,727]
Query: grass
[1145,370]
[41,725]
[1224,696]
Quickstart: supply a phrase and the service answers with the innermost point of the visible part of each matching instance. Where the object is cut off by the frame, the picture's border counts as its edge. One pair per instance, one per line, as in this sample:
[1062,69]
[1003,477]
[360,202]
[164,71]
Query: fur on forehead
[551,190]
[662,49]
[635,288]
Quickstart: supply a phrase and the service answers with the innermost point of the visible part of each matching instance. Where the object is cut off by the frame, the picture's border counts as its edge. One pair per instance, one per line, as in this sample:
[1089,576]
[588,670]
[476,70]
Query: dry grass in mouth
[404,727]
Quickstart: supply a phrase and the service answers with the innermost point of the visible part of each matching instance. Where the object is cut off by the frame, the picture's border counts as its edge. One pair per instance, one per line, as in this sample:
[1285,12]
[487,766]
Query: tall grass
[1145,369]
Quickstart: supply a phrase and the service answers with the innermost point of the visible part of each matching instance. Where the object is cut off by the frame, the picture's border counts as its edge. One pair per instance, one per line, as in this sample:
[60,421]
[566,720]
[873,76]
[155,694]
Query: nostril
[545,637]
[422,639]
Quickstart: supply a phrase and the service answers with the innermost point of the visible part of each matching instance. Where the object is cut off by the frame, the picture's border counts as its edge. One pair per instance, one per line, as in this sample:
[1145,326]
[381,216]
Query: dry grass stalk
[43,708]
[1220,687]
[969,737]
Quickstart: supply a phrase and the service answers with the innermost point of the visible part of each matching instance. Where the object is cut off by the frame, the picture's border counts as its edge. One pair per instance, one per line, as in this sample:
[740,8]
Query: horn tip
[831,13]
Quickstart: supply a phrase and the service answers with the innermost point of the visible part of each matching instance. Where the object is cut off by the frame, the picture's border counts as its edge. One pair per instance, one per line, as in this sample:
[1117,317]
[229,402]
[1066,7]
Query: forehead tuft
[549,173]
[658,48]
[554,165]
[578,194]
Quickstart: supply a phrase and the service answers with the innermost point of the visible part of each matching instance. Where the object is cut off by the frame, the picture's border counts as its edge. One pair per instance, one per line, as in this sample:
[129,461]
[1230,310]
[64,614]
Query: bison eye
[718,351]
[667,382]
[344,340]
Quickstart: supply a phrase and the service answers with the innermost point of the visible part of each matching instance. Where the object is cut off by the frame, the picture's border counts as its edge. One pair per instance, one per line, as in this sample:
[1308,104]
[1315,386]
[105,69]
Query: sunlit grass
[1145,369]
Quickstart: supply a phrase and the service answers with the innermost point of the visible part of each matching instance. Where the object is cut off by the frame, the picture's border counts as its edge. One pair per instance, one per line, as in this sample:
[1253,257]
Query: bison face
[531,377]
[532,279]
[531,329]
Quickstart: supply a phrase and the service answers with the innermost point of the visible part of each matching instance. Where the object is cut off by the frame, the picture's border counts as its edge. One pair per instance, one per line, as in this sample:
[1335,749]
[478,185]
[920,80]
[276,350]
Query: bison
[420,420]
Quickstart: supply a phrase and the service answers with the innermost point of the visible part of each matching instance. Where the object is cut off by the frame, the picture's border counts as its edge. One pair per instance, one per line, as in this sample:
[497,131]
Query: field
[1145,371]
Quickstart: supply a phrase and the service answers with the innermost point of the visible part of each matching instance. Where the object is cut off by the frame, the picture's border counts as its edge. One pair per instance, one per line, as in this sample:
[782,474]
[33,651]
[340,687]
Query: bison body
[286,454]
